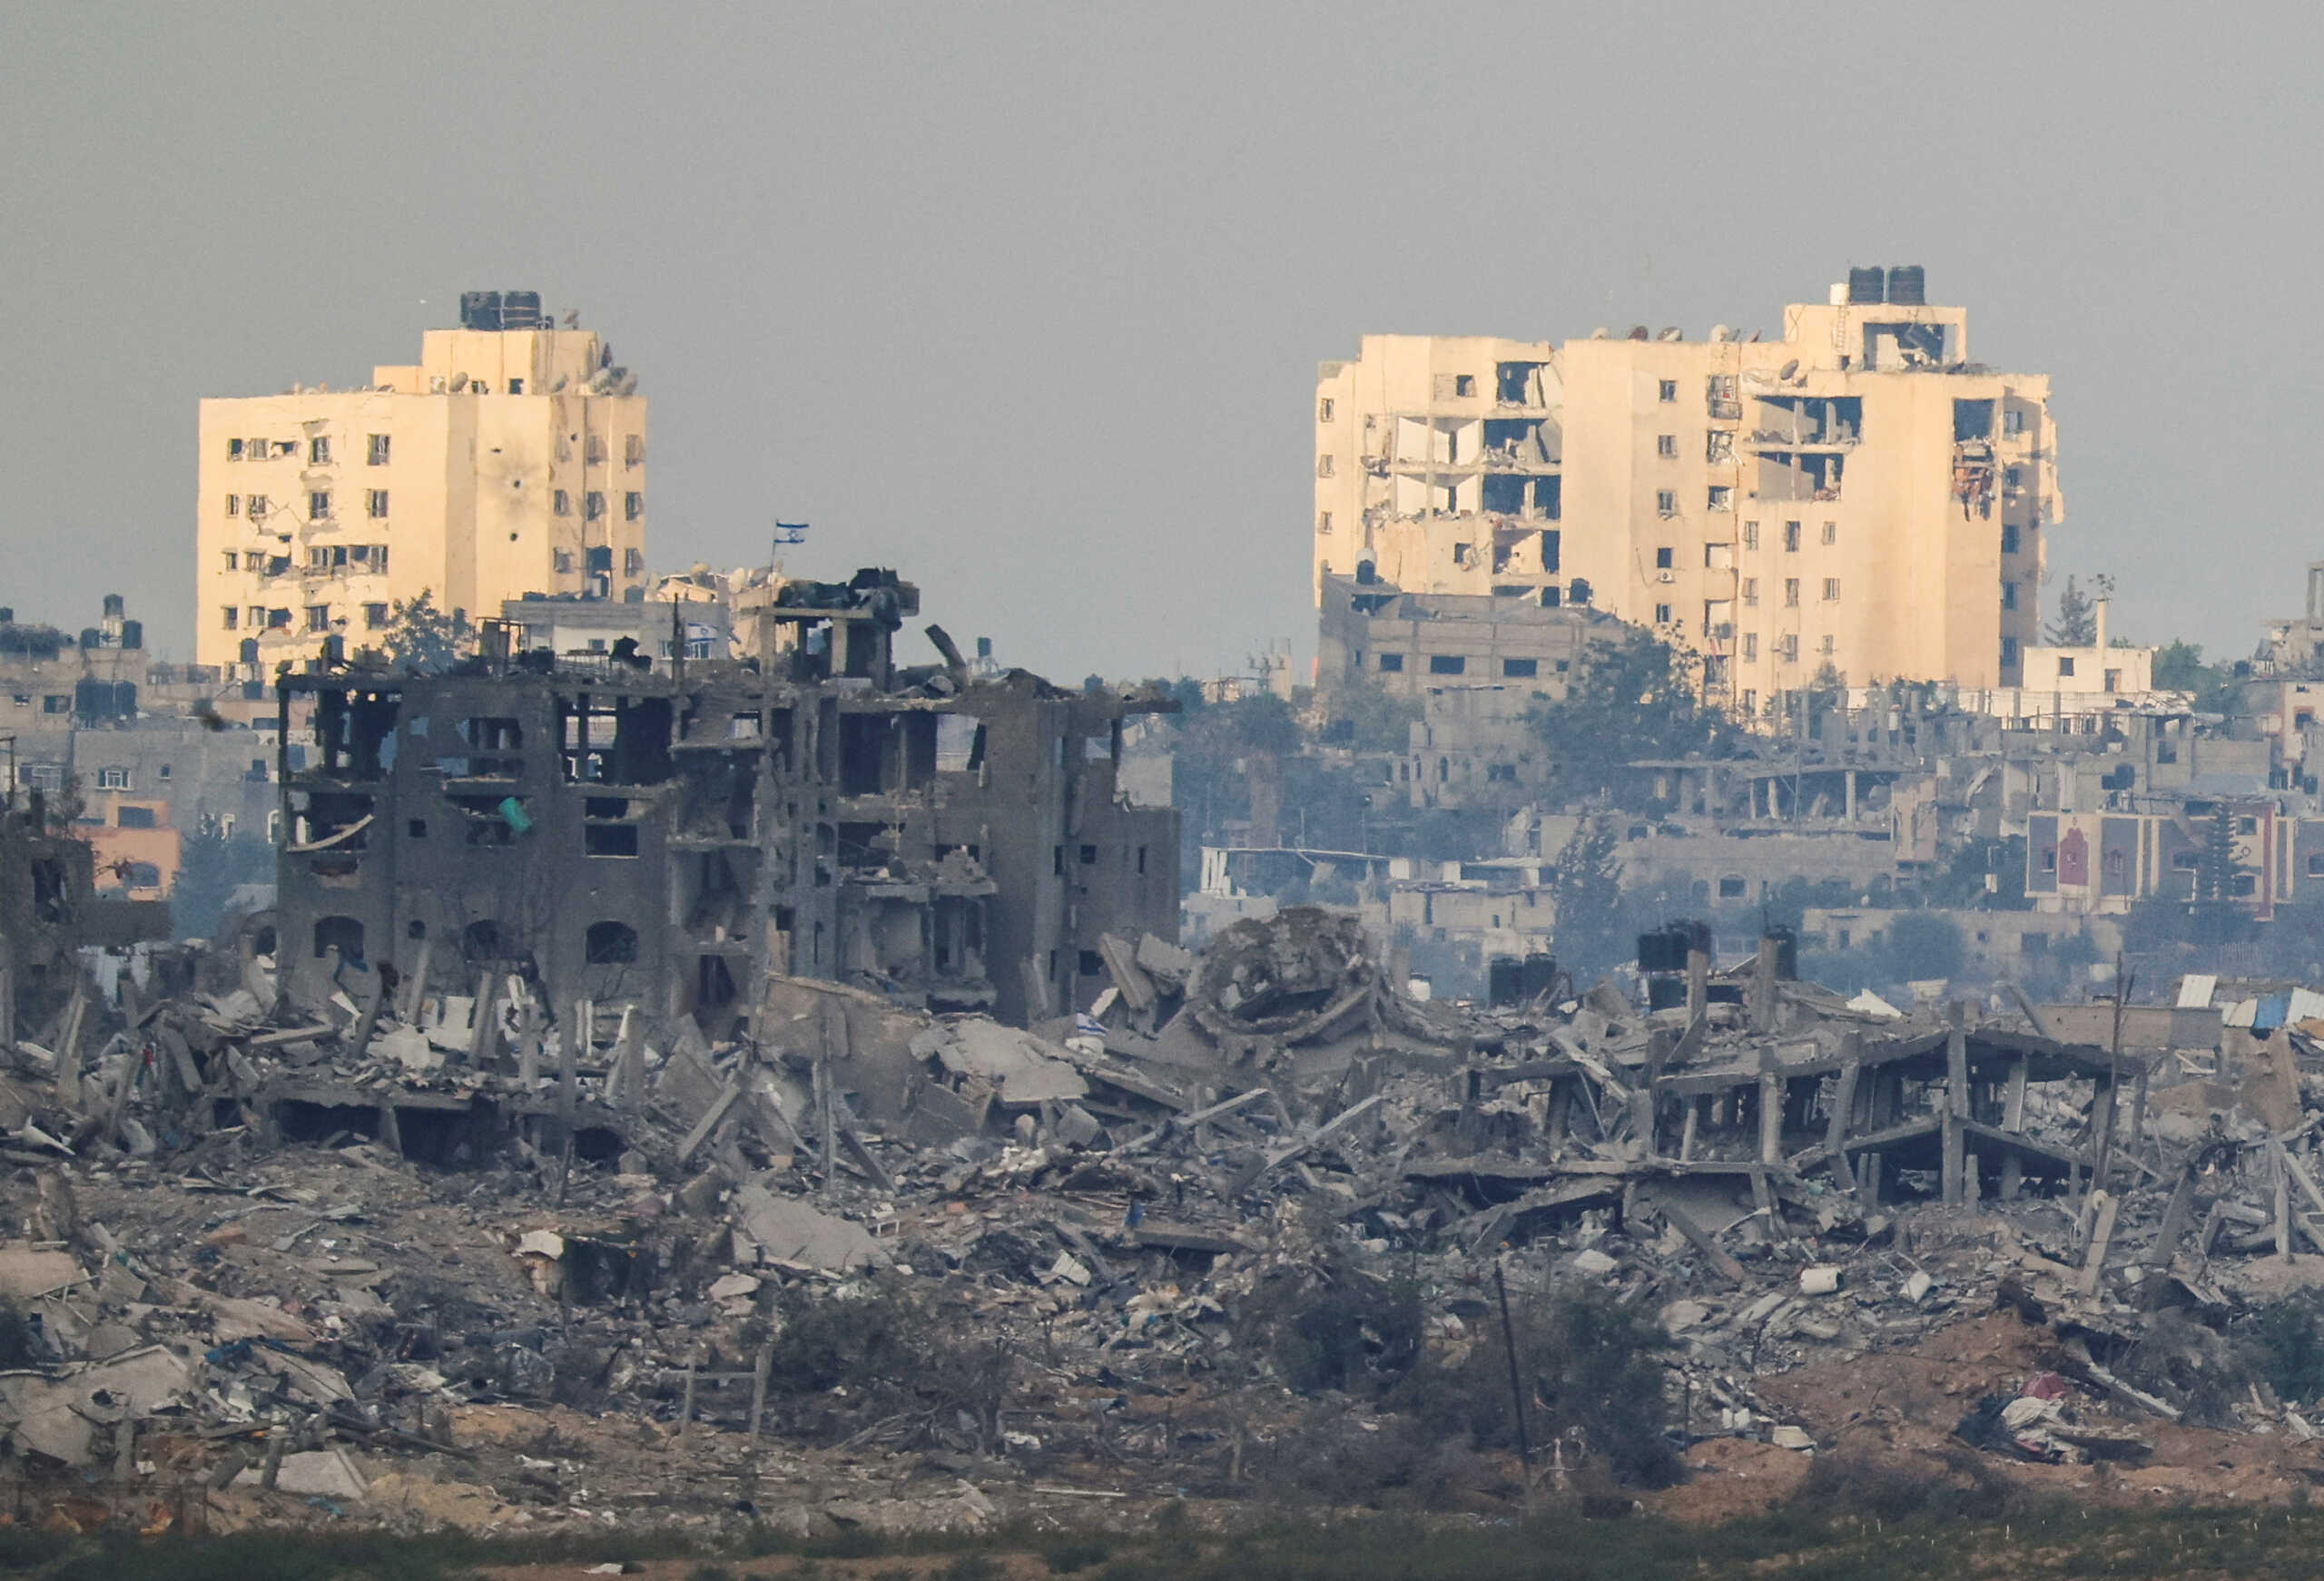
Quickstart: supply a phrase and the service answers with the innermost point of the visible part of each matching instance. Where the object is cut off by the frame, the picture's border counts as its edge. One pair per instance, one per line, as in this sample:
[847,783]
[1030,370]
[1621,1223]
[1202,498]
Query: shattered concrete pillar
[1763,988]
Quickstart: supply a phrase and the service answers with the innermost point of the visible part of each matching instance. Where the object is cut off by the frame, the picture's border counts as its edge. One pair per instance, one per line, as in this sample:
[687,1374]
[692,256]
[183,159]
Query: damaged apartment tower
[663,835]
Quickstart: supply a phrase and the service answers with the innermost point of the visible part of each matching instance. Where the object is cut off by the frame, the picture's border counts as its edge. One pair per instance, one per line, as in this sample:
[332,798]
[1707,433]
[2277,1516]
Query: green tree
[212,867]
[422,640]
[2076,624]
[2179,667]
[1589,898]
[1638,697]
[2215,866]
[1369,718]
[1923,945]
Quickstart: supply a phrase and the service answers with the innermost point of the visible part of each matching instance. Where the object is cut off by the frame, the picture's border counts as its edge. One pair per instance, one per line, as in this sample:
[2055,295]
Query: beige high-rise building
[509,459]
[1858,493]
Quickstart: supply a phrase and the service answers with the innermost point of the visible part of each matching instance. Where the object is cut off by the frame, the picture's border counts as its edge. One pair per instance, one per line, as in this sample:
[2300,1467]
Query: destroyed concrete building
[662,836]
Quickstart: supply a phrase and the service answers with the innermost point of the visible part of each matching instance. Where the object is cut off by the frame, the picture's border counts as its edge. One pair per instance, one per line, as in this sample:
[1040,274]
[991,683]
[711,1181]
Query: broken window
[1789,643]
[1323,409]
[593,505]
[1447,663]
[375,504]
[1750,535]
[610,943]
[318,617]
[112,779]
[258,507]
[1791,537]
[1391,663]
[1719,446]
[233,617]
[560,502]
[1971,421]
[1666,501]
[1791,593]
[1662,614]
[633,450]
[319,451]
[1323,465]
[233,450]
[633,505]
[863,750]
[319,505]
[233,504]
[1520,669]
[633,562]
[1721,498]
[343,934]
[1831,590]
[380,449]
[956,742]
[609,840]
[592,450]
[1750,647]
[1666,446]
[1667,390]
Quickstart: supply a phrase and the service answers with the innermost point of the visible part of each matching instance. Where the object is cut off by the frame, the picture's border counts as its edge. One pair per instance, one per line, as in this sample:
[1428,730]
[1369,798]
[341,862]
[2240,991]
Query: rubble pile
[488,1261]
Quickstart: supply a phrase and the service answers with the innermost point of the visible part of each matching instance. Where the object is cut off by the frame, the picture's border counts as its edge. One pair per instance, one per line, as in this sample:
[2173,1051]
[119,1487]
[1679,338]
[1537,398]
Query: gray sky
[1027,301]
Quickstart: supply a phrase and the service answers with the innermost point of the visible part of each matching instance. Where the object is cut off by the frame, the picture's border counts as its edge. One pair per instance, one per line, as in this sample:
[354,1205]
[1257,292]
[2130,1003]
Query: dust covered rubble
[406,1263]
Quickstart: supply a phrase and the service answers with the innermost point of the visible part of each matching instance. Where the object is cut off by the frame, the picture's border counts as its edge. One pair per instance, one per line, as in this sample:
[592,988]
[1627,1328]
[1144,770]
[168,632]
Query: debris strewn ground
[871,1269]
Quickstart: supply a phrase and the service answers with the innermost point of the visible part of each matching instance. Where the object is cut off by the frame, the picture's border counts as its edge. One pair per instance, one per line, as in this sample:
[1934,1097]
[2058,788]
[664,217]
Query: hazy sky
[1027,301]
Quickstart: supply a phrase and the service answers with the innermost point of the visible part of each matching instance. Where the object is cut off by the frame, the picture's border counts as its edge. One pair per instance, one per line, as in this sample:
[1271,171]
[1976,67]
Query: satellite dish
[1601,333]
[1755,337]
[1788,368]
[1671,333]
[459,382]
[1637,332]
[1722,332]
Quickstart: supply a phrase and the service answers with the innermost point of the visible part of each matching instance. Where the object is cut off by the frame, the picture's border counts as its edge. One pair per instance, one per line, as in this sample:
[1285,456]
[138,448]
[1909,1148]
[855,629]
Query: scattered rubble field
[866,1290]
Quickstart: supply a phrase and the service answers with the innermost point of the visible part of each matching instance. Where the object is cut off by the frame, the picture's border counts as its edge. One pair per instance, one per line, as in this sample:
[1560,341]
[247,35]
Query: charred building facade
[665,836]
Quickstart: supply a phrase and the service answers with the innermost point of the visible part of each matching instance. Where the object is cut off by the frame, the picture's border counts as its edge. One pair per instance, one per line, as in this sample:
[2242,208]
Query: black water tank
[8,615]
[1505,982]
[1864,285]
[480,310]
[520,309]
[249,651]
[1787,945]
[1908,284]
[115,606]
[132,635]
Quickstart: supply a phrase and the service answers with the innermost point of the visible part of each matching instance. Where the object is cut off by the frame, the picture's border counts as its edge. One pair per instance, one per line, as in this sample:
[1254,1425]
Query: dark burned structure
[661,833]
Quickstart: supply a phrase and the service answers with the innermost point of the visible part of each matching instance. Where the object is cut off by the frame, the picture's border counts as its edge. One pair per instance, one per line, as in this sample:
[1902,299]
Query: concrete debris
[591,1266]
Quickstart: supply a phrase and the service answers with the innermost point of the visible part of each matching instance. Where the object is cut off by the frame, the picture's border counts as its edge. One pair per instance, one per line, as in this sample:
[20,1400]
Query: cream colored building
[509,459]
[1858,493]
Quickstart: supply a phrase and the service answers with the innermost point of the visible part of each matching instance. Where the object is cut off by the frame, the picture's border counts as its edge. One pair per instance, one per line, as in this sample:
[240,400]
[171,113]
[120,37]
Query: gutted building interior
[591,828]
